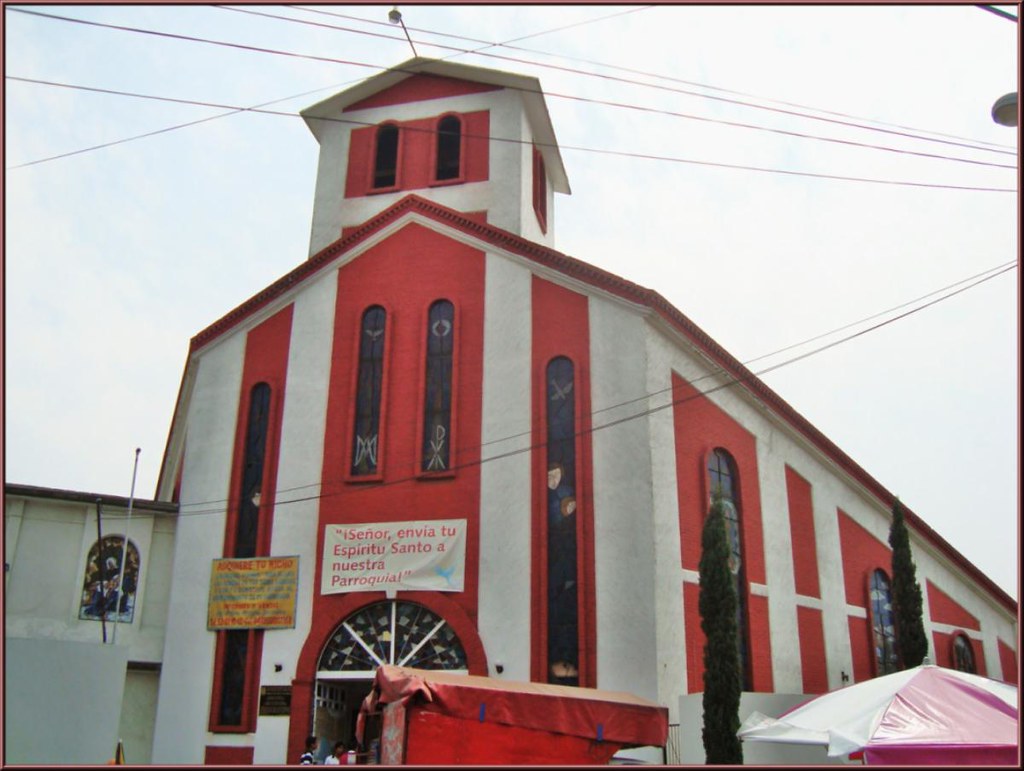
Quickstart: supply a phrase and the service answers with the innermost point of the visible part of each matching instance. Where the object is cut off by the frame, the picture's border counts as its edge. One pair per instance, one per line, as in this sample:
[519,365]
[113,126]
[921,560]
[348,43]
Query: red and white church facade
[436,374]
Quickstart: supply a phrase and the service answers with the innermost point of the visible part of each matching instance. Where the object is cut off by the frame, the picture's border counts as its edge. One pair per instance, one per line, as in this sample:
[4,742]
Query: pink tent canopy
[925,715]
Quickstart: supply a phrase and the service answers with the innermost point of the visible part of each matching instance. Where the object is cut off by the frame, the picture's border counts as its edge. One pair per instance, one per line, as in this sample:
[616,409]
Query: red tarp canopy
[609,716]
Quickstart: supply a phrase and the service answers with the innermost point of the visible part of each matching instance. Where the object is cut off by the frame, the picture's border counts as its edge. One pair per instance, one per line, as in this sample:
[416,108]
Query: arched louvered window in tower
[385,159]
[562,529]
[437,409]
[883,624]
[449,148]
[724,482]
[365,439]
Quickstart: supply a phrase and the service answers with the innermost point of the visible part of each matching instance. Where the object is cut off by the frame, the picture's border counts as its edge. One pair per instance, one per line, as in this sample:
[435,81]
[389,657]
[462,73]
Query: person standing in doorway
[307,758]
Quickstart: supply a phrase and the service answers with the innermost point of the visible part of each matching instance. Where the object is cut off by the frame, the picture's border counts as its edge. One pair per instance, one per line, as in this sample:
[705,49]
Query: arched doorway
[386,632]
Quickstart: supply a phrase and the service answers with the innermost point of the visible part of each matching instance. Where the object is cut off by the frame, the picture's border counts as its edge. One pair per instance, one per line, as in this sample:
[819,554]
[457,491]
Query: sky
[776,172]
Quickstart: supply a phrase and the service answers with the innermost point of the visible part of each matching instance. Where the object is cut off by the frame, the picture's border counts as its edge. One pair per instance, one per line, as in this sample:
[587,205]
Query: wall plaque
[275,700]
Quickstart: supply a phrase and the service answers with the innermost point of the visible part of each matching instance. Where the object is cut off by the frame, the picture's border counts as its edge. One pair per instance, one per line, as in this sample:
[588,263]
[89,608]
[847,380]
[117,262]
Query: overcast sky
[116,257]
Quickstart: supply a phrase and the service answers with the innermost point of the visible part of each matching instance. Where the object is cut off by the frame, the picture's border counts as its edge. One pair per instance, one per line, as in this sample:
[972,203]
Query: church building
[442,443]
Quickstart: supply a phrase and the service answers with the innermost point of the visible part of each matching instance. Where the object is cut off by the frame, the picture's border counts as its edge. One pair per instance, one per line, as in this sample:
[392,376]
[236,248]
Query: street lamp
[1004,111]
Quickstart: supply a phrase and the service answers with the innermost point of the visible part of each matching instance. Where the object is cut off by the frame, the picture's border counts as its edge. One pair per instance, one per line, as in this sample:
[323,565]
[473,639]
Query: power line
[623,80]
[998,12]
[258,49]
[744,378]
[649,74]
[620,153]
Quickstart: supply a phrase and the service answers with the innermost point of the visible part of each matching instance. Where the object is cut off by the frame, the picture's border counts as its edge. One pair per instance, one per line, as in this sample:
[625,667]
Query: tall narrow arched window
[247,524]
[723,482]
[365,444]
[449,148]
[385,161]
[963,654]
[105,594]
[236,643]
[563,583]
[883,624]
[437,408]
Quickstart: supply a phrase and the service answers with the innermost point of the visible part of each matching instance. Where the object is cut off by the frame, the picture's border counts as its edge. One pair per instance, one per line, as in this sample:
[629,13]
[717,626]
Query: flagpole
[101,565]
[124,548]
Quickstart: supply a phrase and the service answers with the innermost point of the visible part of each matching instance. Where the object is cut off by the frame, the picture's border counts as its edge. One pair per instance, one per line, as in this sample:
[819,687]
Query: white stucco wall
[184,702]
[624,532]
[505,483]
[62,701]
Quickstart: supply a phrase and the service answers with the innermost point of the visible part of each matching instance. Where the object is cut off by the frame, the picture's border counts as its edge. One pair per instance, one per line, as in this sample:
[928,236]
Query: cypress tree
[911,641]
[717,606]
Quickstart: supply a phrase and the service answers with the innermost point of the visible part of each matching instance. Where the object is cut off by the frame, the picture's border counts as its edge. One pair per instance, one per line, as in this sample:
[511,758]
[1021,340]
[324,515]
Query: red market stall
[427,717]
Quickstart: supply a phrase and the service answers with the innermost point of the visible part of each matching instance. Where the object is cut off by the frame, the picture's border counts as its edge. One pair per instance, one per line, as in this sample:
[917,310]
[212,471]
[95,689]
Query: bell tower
[475,140]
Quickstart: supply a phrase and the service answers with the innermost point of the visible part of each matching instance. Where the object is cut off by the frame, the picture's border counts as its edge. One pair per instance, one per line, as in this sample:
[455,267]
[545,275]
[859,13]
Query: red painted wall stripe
[1008,662]
[700,426]
[945,610]
[801,528]
[561,327]
[813,661]
[943,645]
[862,554]
[417,154]
[420,88]
[266,361]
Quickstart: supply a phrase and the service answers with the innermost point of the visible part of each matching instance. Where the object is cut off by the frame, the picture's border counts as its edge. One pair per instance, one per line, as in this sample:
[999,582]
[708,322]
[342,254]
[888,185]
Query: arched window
[449,148]
[724,483]
[247,524]
[963,654]
[437,409]
[883,625]
[392,632]
[385,163]
[540,190]
[563,586]
[105,594]
[365,444]
[236,643]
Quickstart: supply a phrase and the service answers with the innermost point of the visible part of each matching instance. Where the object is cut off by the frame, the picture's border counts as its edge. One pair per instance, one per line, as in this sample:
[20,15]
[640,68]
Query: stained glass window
[723,482]
[385,166]
[449,147]
[392,632]
[963,655]
[883,625]
[247,525]
[365,445]
[437,411]
[236,642]
[563,586]
[103,595]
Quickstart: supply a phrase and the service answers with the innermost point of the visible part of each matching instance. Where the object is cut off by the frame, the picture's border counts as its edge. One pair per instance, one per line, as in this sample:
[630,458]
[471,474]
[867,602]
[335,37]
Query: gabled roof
[414,205]
[530,88]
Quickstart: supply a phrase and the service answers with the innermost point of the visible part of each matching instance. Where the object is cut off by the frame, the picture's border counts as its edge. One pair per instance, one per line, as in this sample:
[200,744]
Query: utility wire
[258,49]
[748,377]
[627,81]
[644,73]
[998,12]
[620,153]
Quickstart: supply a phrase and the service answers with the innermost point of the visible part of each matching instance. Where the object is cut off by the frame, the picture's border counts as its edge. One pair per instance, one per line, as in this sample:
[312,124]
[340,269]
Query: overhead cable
[258,49]
[620,153]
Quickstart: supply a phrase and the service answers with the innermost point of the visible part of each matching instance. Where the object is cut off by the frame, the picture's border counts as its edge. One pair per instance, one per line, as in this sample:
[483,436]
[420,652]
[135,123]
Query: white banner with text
[425,555]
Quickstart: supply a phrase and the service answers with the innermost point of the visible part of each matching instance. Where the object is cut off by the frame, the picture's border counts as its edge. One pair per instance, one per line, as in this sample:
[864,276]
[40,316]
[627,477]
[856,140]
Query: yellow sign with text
[256,593]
